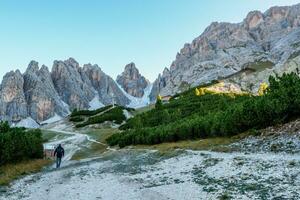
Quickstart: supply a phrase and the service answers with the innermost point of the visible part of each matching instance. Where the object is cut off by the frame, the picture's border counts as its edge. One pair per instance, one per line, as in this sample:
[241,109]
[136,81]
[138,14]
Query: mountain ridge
[227,48]
[132,81]
[41,94]
[245,54]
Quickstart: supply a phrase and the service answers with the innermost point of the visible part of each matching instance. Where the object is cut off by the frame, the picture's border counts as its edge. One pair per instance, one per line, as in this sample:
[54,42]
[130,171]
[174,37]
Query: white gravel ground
[131,174]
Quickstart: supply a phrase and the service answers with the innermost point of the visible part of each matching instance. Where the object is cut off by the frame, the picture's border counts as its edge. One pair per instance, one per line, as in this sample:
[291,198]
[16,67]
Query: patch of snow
[67,107]
[27,123]
[95,103]
[127,114]
[53,119]
[136,102]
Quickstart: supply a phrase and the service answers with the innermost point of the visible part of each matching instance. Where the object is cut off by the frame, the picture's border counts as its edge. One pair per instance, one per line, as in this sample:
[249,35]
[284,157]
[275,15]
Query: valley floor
[258,168]
[135,174]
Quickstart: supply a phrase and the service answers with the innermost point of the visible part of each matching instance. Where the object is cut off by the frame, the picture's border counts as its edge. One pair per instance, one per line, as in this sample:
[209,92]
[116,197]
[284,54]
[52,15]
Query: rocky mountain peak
[132,81]
[43,101]
[33,67]
[277,13]
[166,71]
[223,49]
[253,19]
[89,66]
[12,86]
[12,98]
[72,62]
[69,84]
[131,71]
[45,69]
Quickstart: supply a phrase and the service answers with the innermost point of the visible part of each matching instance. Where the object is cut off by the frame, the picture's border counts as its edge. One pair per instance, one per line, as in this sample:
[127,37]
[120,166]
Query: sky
[110,33]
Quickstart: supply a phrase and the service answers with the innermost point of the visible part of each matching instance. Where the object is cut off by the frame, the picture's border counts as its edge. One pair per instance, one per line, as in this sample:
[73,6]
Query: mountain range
[244,54]
[38,94]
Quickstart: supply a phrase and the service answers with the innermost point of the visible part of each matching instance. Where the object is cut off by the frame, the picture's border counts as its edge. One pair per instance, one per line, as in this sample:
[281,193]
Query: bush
[76,112]
[211,115]
[115,115]
[18,144]
[77,119]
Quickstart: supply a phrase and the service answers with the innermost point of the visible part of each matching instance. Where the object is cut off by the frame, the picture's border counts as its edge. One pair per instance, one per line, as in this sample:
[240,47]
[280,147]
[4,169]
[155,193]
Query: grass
[50,135]
[95,149]
[11,172]
[143,109]
[101,134]
[77,119]
[76,113]
[219,144]
[115,115]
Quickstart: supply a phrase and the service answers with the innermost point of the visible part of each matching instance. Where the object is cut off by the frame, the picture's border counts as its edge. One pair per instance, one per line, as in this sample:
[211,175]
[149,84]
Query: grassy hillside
[80,113]
[84,118]
[21,152]
[19,144]
[188,116]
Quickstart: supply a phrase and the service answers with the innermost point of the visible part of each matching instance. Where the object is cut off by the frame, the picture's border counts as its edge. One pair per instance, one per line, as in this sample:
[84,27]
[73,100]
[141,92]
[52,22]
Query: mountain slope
[42,99]
[219,110]
[224,49]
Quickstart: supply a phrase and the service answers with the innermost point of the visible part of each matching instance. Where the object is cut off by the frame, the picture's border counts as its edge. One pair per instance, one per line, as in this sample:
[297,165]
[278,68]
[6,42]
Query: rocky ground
[148,175]
[280,139]
[266,166]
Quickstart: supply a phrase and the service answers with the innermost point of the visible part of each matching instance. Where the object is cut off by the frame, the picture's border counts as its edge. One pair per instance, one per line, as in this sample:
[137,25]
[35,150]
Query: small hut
[49,151]
[166,99]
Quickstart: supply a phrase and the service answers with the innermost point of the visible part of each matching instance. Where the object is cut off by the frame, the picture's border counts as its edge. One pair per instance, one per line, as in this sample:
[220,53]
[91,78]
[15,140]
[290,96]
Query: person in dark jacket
[59,153]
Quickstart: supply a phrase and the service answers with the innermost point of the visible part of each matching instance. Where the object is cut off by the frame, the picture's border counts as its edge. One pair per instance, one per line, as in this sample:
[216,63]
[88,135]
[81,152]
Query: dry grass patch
[52,135]
[143,109]
[10,172]
[214,144]
[218,144]
[95,149]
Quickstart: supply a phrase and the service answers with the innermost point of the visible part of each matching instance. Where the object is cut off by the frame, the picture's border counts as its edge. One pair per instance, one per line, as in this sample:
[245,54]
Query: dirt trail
[72,144]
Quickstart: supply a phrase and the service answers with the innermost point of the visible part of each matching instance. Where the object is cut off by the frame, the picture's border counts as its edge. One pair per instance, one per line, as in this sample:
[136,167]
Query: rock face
[69,84]
[12,99]
[104,85]
[163,81]
[261,42]
[42,99]
[132,81]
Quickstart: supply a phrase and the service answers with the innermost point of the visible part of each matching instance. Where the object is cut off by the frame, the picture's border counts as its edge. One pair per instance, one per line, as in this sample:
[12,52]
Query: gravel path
[132,174]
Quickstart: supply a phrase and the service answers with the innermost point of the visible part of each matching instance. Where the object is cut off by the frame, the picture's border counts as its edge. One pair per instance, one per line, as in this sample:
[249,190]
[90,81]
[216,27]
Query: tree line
[189,116]
[18,144]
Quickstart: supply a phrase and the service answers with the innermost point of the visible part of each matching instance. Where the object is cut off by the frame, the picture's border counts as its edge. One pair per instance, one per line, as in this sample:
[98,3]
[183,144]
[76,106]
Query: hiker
[59,153]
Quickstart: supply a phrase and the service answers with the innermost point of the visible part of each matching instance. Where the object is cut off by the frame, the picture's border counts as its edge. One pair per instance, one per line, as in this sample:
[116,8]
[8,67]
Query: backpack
[59,151]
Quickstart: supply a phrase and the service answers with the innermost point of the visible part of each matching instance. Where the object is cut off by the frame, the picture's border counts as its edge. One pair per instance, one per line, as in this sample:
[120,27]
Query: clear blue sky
[110,33]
